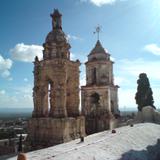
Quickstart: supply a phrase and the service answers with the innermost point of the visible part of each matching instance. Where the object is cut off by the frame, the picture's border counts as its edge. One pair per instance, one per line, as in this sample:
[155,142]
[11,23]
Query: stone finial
[56,13]
[56,19]
[36,59]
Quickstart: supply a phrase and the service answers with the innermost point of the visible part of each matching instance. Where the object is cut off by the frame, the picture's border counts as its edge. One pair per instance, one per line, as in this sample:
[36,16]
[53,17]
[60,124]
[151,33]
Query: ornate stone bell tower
[99,96]
[55,118]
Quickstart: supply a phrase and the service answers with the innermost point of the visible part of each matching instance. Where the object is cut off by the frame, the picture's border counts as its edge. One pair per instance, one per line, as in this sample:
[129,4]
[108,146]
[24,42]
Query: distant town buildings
[10,130]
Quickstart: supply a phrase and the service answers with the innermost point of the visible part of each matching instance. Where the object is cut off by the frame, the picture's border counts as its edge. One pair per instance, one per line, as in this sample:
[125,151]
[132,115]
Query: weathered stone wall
[108,98]
[98,116]
[72,88]
[63,76]
[114,100]
[103,103]
[103,71]
[46,132]
[97,123]
[51,72]
[148,114]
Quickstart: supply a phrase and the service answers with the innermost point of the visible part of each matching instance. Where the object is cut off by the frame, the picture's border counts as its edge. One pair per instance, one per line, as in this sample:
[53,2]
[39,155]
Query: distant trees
[144,92]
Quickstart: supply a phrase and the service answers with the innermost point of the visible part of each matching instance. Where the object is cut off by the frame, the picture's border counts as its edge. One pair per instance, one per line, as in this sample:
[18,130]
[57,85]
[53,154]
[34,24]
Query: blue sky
[130,32]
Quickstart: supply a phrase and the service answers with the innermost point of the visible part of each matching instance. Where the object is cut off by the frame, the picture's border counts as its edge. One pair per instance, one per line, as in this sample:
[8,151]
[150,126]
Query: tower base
[97,124]
[45,132]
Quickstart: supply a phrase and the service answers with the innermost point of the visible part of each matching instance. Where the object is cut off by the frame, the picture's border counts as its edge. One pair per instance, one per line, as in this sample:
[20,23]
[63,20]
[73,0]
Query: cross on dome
[98,29]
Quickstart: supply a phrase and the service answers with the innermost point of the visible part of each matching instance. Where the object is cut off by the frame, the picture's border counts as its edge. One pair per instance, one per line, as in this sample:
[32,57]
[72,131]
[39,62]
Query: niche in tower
[94,76]
[95,98]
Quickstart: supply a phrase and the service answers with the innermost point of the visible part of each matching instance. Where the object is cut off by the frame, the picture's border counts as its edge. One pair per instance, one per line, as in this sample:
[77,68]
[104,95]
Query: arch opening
[95,98]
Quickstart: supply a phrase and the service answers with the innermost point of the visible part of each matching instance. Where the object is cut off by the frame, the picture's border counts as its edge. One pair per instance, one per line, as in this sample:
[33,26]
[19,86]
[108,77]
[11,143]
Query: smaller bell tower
[99,97]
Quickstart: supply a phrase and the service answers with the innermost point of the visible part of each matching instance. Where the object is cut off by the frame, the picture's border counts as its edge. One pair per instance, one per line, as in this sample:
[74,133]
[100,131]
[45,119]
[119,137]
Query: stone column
[60,101]
[52,100]
[37,102]
[109,100]
[44,100]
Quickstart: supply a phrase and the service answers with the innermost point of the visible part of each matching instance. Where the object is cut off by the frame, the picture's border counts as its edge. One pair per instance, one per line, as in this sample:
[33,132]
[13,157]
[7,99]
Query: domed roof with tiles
[98,53]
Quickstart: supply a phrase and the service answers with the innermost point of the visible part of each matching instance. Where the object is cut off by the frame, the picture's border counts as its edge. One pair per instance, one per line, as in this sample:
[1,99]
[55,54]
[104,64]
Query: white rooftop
[128,141]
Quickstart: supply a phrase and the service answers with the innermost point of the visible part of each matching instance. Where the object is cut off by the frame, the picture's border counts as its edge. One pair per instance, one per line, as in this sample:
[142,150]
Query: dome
[98,48]
[98,53]
[56,36]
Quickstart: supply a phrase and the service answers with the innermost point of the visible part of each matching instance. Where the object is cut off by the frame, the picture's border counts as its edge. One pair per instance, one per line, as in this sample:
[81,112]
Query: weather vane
[98,29]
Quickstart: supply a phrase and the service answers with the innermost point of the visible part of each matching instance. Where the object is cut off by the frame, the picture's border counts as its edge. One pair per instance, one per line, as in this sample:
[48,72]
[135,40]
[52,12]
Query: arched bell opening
[95,98]
[94,101]
[50,96]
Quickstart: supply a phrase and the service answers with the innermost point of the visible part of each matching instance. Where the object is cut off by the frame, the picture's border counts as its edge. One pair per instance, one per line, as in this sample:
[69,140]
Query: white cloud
[72,56]
[153,48]
[10,78]
[121,80]
[7,100]
[17,97]
[2,92]
[99,3]
[112,58]
[135,67]
[5,66]
[5,74]
[75,56]
[127,98]
[26,53]
[106,50]
[27,89]
[72,37]
[25,79]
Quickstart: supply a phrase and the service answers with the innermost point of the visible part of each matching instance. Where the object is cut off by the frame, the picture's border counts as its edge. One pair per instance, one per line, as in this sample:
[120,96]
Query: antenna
[98,29]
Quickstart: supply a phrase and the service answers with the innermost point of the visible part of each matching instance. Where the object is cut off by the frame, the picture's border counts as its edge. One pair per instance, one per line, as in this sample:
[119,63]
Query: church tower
[55,117]
[99,97]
